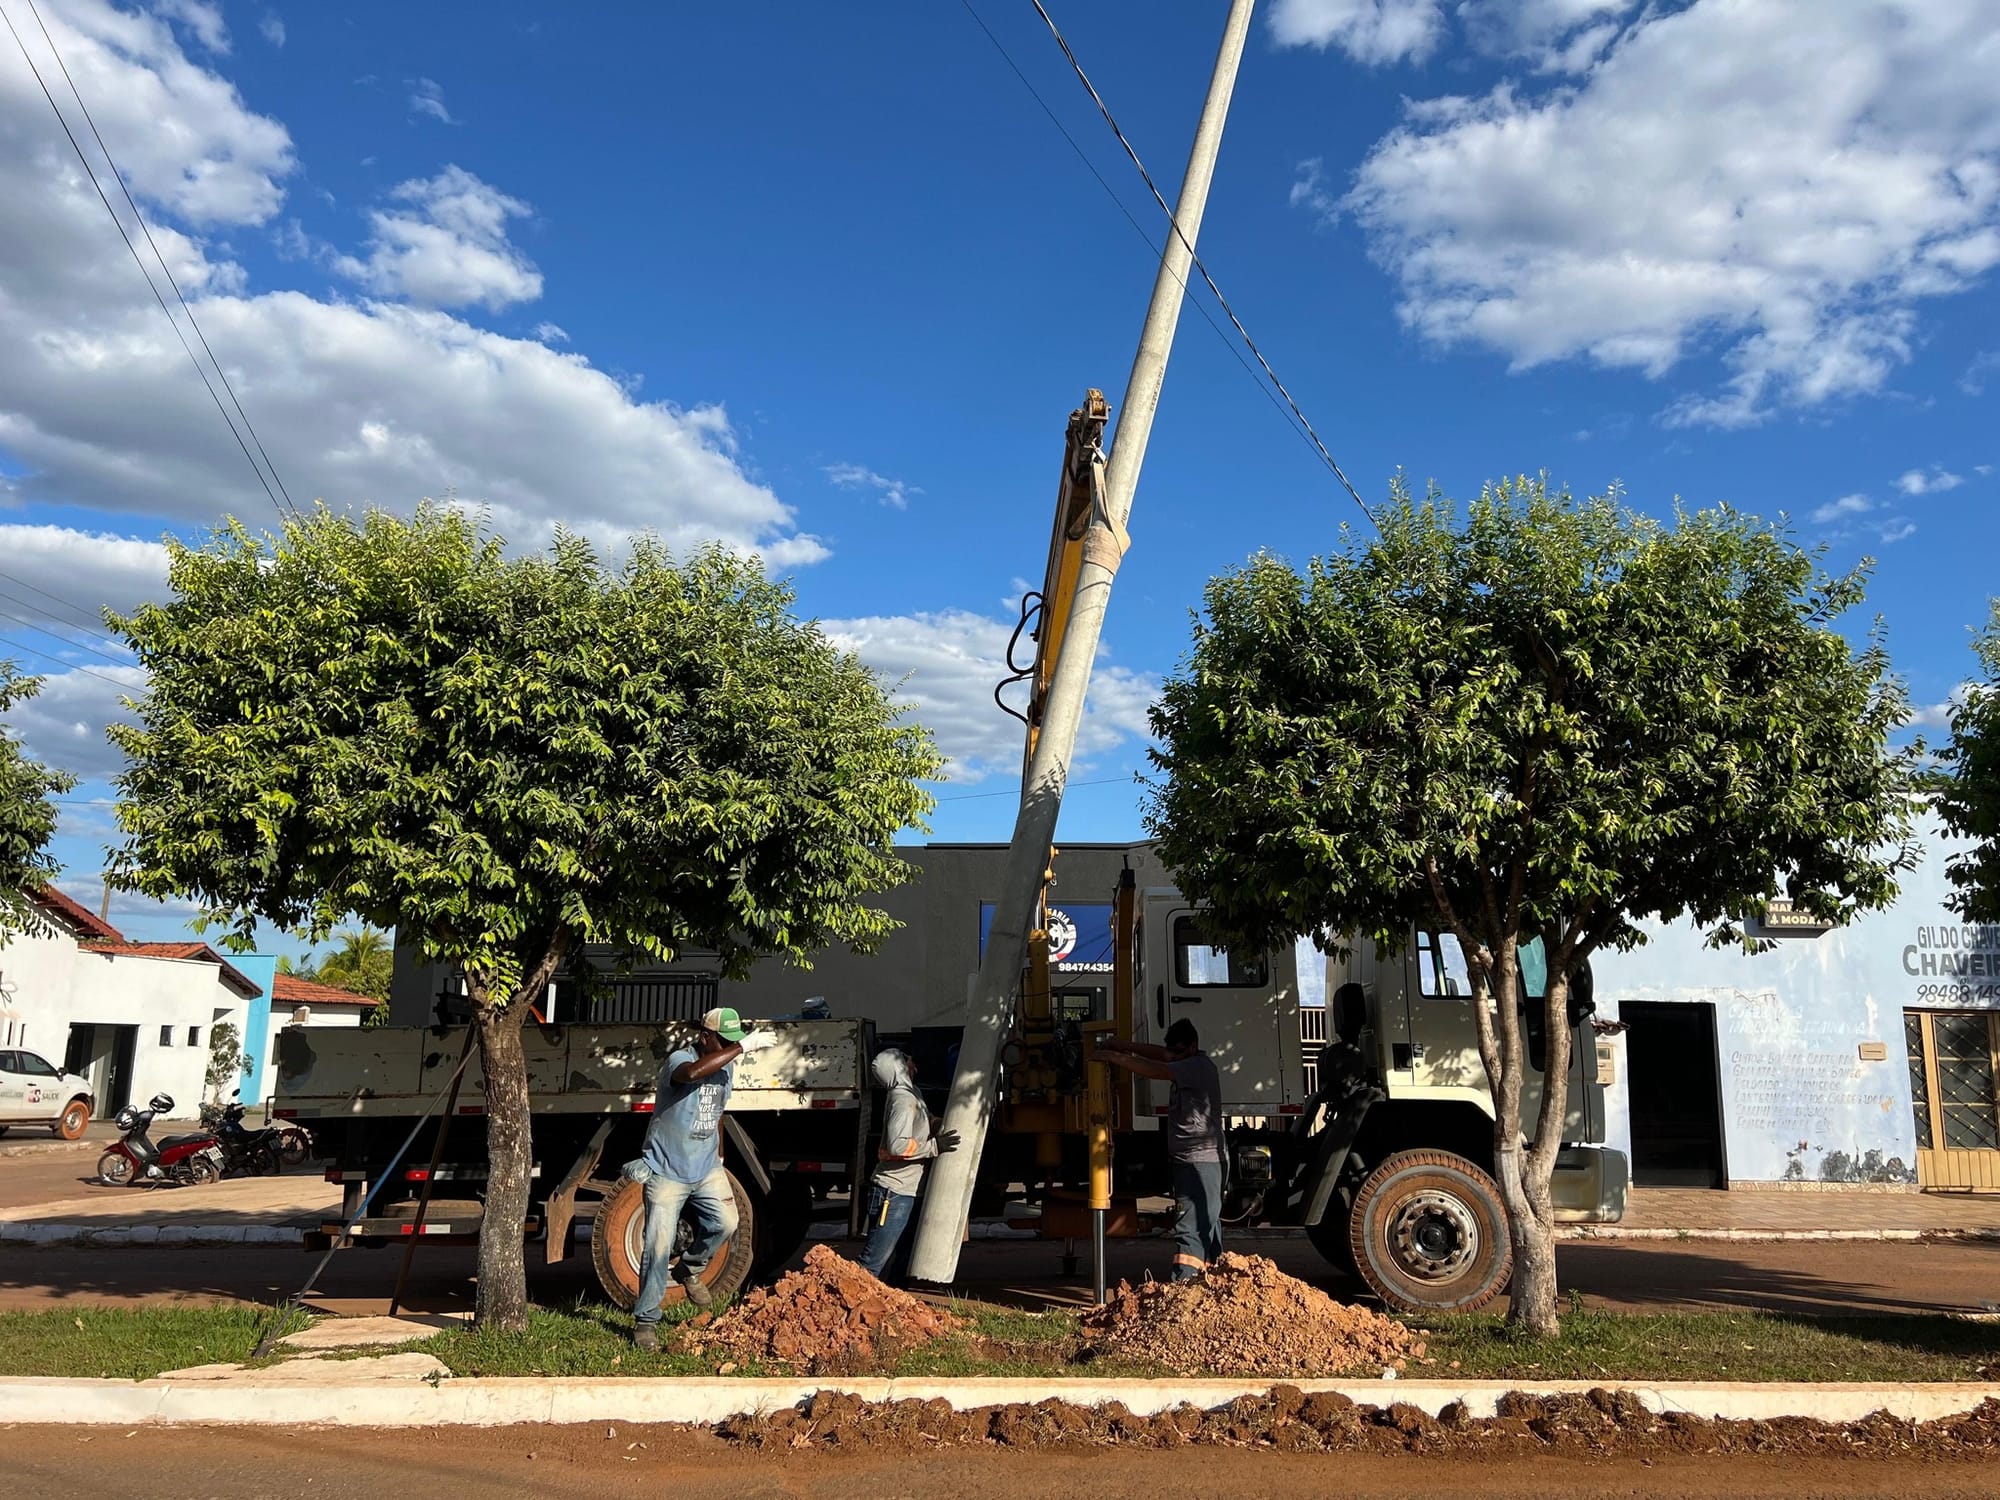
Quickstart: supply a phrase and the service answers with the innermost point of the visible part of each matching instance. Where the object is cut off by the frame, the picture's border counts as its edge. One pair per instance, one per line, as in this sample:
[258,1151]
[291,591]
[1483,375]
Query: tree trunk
[503,1273]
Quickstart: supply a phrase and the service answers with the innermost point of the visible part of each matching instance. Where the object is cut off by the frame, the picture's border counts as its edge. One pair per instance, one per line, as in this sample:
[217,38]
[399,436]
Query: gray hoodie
[906,1127]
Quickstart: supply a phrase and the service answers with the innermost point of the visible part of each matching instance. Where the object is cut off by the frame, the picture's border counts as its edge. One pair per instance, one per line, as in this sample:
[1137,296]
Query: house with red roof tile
[133,1018]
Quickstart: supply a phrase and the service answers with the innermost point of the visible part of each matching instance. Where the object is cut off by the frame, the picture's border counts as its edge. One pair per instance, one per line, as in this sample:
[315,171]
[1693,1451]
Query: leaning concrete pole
[990,1007]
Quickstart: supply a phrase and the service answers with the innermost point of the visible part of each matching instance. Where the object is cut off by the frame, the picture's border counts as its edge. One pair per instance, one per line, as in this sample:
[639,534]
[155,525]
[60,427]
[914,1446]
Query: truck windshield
[1442,973]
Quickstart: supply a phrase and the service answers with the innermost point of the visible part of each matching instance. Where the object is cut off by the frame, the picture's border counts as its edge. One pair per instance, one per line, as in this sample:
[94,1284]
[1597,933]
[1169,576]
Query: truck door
[1239,1006]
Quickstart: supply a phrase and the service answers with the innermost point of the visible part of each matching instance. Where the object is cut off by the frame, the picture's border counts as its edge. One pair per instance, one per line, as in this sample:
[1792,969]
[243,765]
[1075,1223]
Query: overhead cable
[282,508]
[1223,302]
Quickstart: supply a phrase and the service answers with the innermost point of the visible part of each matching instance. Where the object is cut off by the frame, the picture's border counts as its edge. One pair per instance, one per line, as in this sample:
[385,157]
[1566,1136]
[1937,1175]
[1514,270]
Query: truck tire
[1429,1234]
[617,1241]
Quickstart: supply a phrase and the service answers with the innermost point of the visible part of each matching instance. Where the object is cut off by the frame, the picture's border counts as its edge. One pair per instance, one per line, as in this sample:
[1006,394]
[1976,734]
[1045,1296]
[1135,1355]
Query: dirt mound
[1286,1419]
[830,1317]
[1244,1316]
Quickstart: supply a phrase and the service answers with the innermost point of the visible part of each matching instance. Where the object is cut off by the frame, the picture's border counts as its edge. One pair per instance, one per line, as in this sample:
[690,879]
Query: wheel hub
[1434,1236]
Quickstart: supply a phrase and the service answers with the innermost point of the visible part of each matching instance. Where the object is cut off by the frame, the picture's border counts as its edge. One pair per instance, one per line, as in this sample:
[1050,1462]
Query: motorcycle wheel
[116,1168]
[293,1147]
[266,1159]
[201,1171]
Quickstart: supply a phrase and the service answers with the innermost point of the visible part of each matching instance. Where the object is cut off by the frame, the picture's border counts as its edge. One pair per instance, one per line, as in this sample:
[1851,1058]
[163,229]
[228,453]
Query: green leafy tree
[363,961]
[28,815]
[1966,789]
[1551,719]
[506,758]
[226,1058]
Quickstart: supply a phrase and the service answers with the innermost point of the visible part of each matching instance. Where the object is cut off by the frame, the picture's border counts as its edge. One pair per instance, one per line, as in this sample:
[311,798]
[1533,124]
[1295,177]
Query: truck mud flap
[1328,1153]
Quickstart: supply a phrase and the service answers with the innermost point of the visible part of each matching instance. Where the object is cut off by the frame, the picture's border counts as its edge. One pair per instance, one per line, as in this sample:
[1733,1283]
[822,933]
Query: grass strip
[591,1340]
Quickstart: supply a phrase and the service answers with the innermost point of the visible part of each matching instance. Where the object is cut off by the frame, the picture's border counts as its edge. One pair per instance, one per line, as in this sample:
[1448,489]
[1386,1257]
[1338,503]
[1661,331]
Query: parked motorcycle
[186,1160]
[243,1149]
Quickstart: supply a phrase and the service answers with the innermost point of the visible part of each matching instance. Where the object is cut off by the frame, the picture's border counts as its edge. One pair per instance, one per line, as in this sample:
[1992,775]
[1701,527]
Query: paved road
[1792,1279]
[600,1463]
[50,1176]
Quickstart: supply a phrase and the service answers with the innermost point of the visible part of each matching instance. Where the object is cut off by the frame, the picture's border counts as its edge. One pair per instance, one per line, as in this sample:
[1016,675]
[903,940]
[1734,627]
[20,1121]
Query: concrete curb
[345,1401]
[1615,1233]
[48,1148]
[111,1236]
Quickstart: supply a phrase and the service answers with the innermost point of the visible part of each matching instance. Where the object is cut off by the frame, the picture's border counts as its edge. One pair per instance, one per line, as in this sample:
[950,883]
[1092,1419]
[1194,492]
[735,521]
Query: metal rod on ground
[947,1205]
[430,1181]
[297,1298]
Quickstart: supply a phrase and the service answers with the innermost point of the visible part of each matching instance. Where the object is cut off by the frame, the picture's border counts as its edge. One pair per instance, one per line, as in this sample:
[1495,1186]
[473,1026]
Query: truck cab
[1378,1141]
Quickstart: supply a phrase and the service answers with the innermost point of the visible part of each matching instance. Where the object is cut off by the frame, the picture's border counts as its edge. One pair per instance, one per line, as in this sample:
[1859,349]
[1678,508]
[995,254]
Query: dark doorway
[1676,1094]
[118,1082]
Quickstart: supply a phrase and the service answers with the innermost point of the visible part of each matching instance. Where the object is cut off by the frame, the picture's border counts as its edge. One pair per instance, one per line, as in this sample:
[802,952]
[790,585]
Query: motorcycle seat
[181,1140]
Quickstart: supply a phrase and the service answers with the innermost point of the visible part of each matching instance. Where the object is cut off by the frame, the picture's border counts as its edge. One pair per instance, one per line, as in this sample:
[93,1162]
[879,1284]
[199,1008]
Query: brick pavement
[1816,1213]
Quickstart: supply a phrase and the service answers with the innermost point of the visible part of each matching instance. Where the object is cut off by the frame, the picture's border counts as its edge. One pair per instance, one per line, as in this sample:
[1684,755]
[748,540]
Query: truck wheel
[618,1239]
[75,1118]
[1429,1234]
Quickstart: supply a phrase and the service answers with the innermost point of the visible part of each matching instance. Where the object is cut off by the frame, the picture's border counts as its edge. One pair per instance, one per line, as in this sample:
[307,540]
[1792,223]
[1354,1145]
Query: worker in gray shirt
[1194,1137]
[910,1138]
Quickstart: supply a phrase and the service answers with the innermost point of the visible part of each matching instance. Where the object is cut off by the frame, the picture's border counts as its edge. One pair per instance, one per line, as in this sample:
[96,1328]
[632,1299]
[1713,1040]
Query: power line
[126,189]
[8,614]
[1014,791]
[1173,219]
[137,260]
[56,599]
[1137,228]
[8,647]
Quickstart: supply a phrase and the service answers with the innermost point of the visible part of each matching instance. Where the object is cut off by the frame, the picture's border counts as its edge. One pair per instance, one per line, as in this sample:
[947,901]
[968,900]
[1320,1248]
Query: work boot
[646,1338]
[698,1292]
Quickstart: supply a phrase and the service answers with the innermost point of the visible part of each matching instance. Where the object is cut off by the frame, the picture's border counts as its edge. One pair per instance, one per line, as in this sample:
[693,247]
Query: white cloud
[1841,509]
[1984,471]
[1722,178]
[63,725]
[1973,381]
[54,575]
[273,28]
[891,492]
[427,98]
[1369,31]
[449,248]
[945,666]
[1938,715]
[373,402]
[1895,529]
[1556,31]
[201,19]
[1934,482]
[551,333]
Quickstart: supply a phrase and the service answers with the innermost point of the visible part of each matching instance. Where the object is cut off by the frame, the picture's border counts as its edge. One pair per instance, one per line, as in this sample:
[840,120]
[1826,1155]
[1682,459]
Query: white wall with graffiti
[1814,1075]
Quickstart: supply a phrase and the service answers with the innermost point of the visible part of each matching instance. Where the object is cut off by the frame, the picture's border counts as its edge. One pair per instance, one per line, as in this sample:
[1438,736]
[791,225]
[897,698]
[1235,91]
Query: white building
[133,1018]
[323,1004]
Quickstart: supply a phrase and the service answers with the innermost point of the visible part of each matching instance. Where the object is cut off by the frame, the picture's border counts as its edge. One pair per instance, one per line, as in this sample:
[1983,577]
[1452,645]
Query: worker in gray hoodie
[910,1138]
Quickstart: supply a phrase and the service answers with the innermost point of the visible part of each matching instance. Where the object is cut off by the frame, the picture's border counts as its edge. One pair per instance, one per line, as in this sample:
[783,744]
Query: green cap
[725,1023]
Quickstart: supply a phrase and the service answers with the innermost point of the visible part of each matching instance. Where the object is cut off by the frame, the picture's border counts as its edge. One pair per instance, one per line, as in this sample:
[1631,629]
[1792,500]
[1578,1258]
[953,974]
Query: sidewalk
[1775,1213]
[246,1210]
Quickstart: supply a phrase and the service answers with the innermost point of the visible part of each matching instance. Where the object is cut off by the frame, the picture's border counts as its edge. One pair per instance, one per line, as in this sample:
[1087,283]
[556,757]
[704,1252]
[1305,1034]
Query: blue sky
[825,281]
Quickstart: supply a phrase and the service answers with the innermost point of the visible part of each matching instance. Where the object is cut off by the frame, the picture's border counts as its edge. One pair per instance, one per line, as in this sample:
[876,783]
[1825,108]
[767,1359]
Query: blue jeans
[710,1204]
[888,1216]
[1197,1216]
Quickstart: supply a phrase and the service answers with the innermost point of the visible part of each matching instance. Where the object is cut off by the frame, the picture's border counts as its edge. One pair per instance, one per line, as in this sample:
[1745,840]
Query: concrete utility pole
[990,1007]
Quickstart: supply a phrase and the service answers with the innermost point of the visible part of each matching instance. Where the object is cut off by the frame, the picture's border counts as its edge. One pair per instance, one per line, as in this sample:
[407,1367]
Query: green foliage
[226,1058]
[1585,717]
[498,757]
[28,815]
[1967,789]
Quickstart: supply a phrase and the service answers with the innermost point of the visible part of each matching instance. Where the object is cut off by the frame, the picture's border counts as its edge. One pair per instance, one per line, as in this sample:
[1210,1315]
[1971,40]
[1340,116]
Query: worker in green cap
[681,1166]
